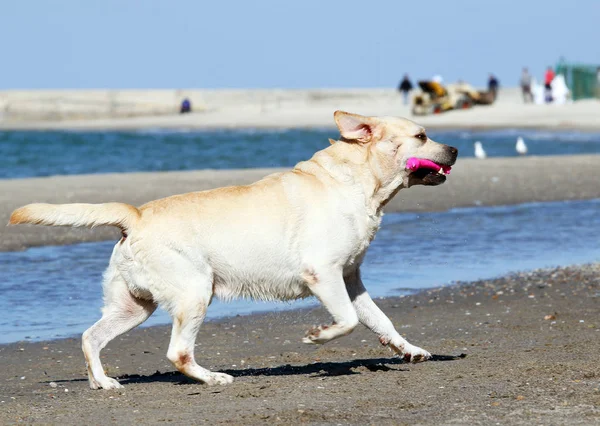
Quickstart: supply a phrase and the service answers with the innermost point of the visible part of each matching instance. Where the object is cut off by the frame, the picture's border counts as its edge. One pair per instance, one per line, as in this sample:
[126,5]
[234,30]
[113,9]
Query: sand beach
[216,109]
[519,349]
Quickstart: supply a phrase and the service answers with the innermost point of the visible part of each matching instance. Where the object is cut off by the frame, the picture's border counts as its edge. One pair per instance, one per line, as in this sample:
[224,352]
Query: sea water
[43,153]
[55,291]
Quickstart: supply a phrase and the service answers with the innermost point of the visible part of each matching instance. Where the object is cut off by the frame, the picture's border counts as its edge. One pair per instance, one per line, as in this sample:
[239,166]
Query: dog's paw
[314,335]
[218,379]
[93,383]
[415,354]
[105,383]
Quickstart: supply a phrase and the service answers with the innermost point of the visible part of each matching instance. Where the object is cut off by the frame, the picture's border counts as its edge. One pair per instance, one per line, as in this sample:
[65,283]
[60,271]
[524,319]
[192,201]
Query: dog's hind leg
[330,289]
[188,313]
[122,311]
[375,320]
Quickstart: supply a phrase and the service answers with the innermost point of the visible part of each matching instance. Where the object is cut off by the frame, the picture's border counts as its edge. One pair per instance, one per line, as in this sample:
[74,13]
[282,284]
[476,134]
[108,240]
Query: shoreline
[473,183]
[522,238]
[314,304]
[530,341]
[162,124]
[445,127]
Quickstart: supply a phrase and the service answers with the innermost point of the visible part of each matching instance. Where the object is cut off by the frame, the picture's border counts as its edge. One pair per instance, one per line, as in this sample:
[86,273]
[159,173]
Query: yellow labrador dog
[290,235]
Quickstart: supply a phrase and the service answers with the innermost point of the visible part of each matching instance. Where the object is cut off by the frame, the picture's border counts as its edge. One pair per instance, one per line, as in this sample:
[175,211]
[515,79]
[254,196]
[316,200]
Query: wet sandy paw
[415,354]
[218,379]
[313,336]
[105,383]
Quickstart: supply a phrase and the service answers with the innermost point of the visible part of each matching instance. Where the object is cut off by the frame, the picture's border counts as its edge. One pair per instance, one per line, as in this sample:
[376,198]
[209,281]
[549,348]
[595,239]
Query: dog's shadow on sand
[317,369]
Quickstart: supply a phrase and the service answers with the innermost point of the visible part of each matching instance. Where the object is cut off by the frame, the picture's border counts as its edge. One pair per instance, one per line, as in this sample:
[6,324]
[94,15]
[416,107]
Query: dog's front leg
[375,320]
[329,287]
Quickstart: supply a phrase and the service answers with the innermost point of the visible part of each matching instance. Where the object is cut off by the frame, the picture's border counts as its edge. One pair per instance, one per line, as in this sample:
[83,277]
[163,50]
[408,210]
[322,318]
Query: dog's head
[391,142]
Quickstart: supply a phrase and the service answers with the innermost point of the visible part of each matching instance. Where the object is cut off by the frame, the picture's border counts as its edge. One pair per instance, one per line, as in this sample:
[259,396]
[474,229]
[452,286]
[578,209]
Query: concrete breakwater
[266,108]
[53,105]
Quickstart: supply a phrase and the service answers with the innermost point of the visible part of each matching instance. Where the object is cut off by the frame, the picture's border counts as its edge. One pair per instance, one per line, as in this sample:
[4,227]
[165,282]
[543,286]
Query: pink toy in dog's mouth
[413,164]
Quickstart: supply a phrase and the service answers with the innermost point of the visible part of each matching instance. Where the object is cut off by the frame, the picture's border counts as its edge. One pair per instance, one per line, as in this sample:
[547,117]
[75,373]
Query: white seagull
[521,147]
[479,152]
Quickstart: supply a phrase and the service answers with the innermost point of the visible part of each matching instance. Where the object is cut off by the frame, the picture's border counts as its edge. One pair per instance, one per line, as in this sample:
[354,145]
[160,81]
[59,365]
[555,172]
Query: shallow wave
[412,251]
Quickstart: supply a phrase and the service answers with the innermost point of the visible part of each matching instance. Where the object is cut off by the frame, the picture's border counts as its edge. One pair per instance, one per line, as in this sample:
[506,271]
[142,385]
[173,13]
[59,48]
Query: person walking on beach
[405,87]
[548,77]
[526,86]
[493,85]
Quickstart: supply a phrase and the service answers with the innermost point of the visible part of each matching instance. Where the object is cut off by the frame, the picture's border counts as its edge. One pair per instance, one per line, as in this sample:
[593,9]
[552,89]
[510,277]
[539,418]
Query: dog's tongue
[419,163]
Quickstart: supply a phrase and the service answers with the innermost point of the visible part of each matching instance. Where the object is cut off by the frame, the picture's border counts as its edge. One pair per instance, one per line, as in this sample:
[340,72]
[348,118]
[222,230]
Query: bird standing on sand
[521,147]
[479,152]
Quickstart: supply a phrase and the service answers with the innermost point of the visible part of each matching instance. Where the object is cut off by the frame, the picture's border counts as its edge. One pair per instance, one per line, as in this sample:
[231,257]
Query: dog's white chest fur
[364,228]
[282,267]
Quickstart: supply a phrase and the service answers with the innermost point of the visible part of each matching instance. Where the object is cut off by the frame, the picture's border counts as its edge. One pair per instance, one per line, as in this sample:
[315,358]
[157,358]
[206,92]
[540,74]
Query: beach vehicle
[434,98]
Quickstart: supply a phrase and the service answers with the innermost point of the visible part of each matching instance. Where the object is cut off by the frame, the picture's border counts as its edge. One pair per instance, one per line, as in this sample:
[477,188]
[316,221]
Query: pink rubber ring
[419,163]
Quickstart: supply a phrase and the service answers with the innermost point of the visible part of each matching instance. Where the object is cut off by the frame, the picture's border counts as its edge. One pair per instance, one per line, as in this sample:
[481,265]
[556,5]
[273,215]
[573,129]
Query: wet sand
[495,181]
[522,349]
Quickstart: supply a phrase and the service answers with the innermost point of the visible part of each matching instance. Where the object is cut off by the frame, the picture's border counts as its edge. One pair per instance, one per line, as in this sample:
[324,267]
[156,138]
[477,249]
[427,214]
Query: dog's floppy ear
[354,127]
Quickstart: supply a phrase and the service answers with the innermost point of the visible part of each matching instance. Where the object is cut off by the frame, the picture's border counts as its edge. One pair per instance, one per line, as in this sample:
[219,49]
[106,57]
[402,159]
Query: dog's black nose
[453,153]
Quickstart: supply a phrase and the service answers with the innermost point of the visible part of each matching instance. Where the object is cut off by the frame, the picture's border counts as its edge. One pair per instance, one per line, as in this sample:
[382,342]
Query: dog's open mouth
[429,172]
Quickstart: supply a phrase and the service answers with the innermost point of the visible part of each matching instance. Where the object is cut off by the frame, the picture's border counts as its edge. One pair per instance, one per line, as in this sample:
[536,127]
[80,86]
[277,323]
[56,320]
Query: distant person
[548,77]
[526,86]
[405,87]
[186,106]
[493,85]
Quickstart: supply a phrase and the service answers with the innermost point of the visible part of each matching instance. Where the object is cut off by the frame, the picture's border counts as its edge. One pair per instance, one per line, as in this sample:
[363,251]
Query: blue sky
[284,44]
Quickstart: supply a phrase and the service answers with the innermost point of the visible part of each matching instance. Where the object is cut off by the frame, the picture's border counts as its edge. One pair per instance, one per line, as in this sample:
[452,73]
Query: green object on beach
[582,79]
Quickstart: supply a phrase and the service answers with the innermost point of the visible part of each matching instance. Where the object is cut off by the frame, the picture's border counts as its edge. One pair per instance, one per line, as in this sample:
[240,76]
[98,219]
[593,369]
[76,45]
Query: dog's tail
[121,215]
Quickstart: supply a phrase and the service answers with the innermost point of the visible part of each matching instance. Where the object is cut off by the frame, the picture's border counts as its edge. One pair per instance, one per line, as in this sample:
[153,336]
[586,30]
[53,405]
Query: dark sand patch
[519,367]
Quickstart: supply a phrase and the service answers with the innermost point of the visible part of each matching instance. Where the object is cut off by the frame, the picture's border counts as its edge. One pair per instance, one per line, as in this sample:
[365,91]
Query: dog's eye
[421,136]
